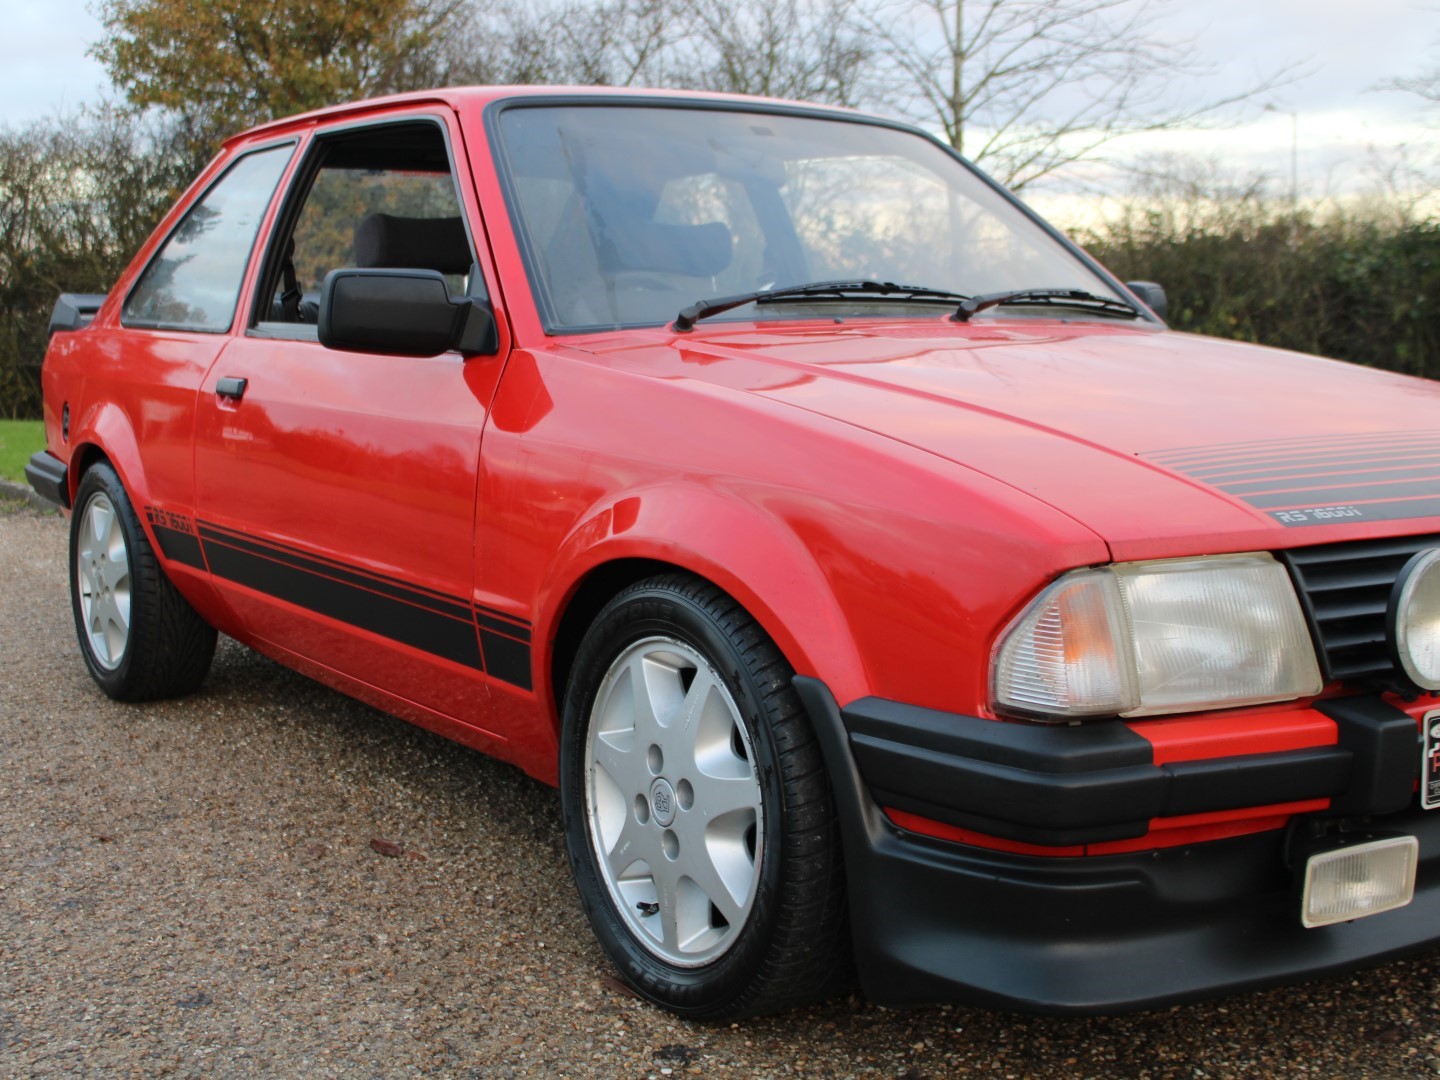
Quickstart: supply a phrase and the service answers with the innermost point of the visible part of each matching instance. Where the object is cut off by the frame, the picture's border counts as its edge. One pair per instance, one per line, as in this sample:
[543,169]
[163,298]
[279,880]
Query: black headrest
[405,243]
[693,250]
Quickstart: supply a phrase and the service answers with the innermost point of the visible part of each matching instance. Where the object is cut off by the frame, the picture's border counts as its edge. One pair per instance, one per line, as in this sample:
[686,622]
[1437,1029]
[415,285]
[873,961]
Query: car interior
[381,197]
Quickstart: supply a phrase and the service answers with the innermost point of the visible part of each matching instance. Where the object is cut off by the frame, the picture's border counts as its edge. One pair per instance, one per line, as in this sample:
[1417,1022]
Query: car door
[336,490]
[174,321]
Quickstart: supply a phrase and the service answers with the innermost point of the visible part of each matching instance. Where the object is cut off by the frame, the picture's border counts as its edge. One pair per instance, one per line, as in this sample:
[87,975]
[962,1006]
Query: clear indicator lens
[1363,879]
[1067,656]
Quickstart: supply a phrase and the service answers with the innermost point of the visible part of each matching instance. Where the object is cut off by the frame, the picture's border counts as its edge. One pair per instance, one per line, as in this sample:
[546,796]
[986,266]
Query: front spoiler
[938,921]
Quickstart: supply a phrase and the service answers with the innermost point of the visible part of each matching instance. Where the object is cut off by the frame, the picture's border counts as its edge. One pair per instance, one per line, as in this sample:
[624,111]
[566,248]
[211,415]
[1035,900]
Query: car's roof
[479,96]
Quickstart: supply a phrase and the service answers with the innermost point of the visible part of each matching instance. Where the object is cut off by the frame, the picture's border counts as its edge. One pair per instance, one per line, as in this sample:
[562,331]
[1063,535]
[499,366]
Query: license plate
[1430,762]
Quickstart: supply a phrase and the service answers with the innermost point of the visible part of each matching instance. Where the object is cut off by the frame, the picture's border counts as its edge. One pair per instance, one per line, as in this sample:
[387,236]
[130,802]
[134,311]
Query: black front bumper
[938,921]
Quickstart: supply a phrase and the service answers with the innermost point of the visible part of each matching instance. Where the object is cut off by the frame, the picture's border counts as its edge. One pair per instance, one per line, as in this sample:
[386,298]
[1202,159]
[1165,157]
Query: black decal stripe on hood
[1385,476]
[424,619]
[1309,446]
[1338,462]
[1359,492]
[1299,479]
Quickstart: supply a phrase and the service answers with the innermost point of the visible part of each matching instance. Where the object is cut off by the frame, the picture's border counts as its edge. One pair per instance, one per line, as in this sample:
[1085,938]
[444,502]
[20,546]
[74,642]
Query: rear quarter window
[193,281]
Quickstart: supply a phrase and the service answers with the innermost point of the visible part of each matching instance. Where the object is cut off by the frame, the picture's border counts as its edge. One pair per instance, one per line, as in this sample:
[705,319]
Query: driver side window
[383,197]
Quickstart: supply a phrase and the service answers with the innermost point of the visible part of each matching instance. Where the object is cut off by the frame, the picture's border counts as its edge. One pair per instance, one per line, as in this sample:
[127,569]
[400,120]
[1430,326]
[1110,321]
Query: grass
[18,440]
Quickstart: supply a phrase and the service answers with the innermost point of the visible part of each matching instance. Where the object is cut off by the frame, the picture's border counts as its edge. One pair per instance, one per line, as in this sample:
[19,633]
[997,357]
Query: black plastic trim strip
[1385,742]
[1071,785]
[1233,783]
[47,476]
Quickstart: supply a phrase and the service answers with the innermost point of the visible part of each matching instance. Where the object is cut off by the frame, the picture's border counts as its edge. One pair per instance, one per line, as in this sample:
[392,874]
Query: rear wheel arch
[82,460]
[107,435]
[139,637]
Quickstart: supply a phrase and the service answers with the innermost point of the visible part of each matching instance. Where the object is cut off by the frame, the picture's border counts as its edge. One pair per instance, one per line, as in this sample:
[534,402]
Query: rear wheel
[698,817]
[140,638]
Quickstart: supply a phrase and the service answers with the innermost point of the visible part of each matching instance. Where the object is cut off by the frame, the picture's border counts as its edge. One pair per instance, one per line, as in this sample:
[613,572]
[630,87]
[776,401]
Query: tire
[698,816]
[140,638]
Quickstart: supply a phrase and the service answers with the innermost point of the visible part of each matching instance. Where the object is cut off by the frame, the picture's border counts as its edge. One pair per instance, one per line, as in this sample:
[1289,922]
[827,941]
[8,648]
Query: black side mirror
[1152,294]
[73,311]
[404,312]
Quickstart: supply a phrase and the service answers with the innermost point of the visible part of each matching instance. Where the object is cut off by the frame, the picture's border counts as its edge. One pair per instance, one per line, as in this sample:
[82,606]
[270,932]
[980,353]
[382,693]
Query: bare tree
[1028,87]
[813,50]
[574,42]
[1423,84]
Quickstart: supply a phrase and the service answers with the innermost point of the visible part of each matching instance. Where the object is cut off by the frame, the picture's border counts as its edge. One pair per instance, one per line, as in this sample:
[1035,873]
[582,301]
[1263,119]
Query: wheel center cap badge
[662,801]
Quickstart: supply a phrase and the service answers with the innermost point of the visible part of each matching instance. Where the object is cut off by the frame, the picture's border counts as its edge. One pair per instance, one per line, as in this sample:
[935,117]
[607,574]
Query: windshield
[626,214]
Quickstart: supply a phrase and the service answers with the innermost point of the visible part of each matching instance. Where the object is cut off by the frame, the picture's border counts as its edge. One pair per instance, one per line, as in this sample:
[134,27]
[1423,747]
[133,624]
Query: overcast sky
[1349,46]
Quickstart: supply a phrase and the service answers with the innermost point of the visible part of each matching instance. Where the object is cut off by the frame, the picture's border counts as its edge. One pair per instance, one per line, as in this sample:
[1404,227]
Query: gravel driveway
[190,888]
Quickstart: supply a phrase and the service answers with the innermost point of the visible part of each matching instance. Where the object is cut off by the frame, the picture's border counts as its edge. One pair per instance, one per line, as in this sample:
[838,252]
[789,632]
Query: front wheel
[140,638]
[698,817]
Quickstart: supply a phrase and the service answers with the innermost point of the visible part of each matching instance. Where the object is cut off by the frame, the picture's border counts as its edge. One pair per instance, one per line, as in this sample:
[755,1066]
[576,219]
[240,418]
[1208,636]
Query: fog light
[1360,879]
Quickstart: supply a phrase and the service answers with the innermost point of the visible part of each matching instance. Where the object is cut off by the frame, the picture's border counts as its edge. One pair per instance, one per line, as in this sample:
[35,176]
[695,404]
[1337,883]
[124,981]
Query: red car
[882,583]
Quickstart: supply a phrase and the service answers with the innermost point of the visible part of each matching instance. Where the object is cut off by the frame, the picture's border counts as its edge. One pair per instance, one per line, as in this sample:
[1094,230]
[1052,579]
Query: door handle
[234,389]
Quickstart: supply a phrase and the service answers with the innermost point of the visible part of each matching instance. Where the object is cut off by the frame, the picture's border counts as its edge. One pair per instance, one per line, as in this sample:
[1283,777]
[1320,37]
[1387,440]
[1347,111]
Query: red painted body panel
[883,496]
[1069,412]
[330,454]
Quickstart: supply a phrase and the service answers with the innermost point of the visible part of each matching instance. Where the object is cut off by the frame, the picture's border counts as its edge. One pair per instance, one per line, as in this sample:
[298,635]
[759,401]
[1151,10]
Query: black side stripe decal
[506,659]
[445,626]
[180,547]
[175,534]
[436,602]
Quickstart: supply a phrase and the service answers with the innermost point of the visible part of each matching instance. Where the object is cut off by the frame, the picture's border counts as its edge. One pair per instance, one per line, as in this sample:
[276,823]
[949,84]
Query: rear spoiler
[73,311]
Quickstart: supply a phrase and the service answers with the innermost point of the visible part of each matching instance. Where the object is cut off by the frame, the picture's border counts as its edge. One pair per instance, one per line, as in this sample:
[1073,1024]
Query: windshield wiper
[1062,297]
[702,309]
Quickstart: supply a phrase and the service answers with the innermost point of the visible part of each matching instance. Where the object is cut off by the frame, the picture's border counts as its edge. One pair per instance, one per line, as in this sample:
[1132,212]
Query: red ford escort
[883,585]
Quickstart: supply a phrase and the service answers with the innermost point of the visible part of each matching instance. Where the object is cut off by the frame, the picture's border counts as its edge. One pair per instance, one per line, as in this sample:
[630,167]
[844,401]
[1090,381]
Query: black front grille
[1345,589]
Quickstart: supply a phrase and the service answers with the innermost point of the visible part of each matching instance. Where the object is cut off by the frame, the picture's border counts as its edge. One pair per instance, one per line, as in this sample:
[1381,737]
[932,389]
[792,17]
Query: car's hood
[1149,437]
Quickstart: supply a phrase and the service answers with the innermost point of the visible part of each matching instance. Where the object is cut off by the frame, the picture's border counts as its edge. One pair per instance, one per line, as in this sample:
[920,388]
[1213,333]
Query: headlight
[1178,635]
[1414,619]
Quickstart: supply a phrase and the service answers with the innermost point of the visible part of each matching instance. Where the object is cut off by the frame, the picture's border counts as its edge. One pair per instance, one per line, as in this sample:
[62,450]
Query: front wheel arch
[791,946]
[596,589]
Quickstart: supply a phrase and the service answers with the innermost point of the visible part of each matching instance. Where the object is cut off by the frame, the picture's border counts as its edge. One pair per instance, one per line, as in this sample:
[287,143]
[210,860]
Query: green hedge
[1353,290]
[77,199]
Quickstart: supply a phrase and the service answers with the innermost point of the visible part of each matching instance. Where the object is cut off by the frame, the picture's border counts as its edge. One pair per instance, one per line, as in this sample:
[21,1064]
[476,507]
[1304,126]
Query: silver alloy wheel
[676,817]
[102,572]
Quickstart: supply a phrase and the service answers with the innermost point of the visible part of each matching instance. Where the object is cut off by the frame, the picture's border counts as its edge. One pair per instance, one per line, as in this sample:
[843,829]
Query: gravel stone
[189,888]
